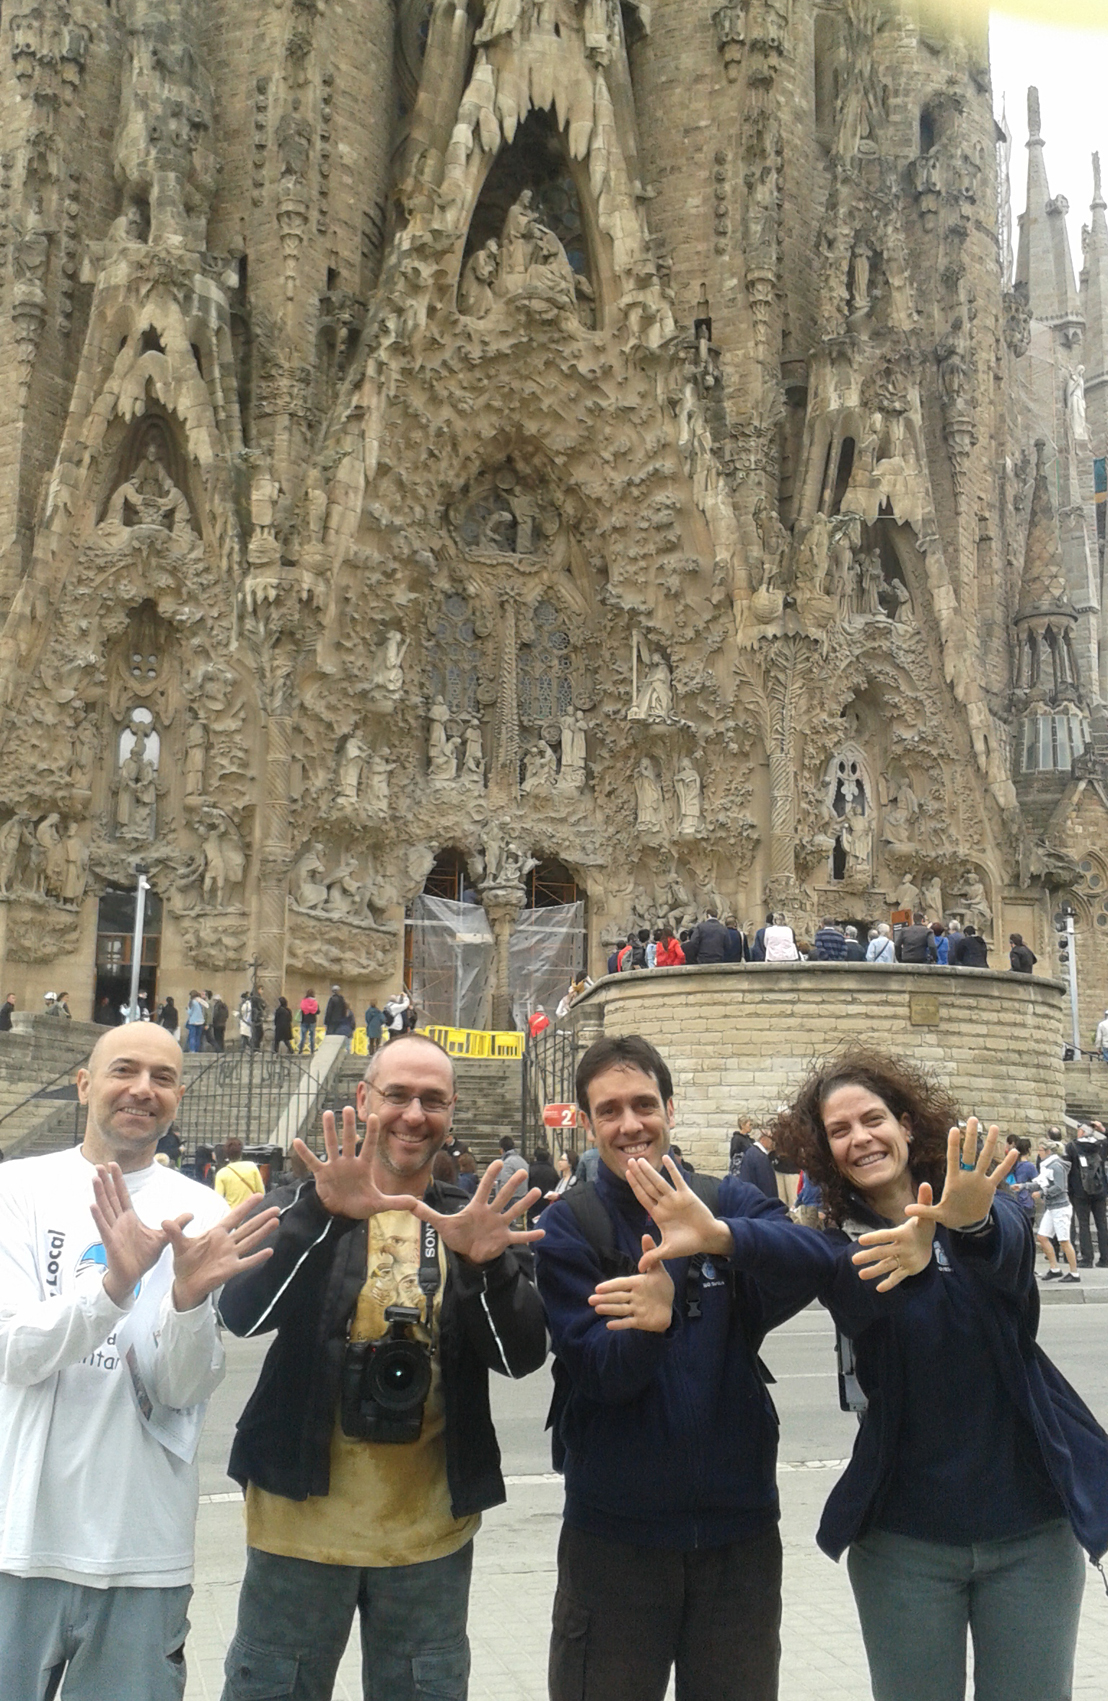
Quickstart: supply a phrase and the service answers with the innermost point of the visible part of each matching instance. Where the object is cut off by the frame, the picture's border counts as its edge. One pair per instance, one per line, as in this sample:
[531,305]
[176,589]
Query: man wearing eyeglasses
[367,1450]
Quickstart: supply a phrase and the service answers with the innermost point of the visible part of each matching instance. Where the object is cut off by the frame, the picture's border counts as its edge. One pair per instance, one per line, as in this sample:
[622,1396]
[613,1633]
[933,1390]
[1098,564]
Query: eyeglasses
[433,1104]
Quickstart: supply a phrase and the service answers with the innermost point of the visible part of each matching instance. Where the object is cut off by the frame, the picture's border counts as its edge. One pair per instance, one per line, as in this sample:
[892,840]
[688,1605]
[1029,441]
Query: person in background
[346,1027]
[169,1146]
[589,1161]
[203,1166]
[61,1006]
[194,1022]
[237,1180]
[282,1026]
[396,1012]
[709,941]
[309,1015]
[511,1163]
[968,950]
[758,948]
[880,948]
[444,1168]
[541,1174]
[829,944]
[808,1209]
[467,1171]
[1021,956]
[917,942]
[1057,1217]
[1100,1038]
[756,1169]
[246,1022]
[8,1007]
[1024,1173]
[219,1018]
[741,1141]
[681,1161]
[854,952]
[169,1017]
[669,953]
[567,1172]
[736,944]
[374,1027]
[612,966]
[537,1022]
[942,942]
[335,1011]
[1088,1190]
[778,941]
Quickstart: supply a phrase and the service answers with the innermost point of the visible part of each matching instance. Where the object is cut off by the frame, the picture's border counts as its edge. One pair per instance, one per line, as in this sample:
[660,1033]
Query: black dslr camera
[385,1383]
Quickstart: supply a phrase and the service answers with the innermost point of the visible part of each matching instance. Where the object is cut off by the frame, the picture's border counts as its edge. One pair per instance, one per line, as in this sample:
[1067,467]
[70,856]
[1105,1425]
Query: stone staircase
[38,1068]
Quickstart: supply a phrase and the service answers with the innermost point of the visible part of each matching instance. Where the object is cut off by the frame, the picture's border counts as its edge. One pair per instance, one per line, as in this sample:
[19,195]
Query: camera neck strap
[430,1276]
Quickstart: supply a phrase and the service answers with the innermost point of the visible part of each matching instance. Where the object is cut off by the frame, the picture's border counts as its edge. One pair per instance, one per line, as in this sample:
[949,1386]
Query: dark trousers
[1083,1209]
[625,1615]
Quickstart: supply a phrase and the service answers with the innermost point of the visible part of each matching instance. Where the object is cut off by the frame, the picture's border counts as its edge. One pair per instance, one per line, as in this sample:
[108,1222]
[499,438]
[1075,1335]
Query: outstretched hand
[686,1223]
[130,1246]
[969,1189]
[204,1263]
[345,1183]
[894,1253]
[644,1301]
[483,1230]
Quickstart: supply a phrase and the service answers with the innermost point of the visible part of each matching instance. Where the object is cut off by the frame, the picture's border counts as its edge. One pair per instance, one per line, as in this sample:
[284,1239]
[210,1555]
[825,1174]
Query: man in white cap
[1100,1039]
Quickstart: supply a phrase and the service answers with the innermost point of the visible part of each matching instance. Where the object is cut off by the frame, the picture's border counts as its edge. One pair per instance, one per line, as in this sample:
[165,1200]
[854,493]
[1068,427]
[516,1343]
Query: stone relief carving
[650,804]
[652,687]
[689,791]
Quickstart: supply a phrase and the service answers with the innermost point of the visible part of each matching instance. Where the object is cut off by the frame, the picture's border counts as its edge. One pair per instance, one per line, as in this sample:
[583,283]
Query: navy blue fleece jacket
[671,1439]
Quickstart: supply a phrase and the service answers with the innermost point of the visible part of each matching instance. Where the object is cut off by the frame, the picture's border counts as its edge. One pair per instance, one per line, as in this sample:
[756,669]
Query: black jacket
[1023,959]
[916,945]
[491,1319]
[968,951]
[709,942]
[282,1023]
[334,1013]
[757,1171]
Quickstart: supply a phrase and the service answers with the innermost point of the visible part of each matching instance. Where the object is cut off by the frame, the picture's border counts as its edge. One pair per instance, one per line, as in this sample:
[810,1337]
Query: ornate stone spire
[1043,260]
[1043,589]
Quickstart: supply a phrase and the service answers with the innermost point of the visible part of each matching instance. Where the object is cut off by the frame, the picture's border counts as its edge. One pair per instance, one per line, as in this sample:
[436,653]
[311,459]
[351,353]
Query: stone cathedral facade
[524,447]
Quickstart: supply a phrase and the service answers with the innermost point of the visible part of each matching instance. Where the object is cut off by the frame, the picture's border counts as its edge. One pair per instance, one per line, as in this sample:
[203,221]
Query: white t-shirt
[87,1494]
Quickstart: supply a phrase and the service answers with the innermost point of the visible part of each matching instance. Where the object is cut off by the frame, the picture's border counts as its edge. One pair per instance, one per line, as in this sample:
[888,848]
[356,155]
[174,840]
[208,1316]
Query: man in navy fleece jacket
[670,1551]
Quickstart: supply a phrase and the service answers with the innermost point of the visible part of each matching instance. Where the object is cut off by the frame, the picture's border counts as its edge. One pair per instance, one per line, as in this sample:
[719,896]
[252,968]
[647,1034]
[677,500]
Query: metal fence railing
[243,1095]
[549,1069]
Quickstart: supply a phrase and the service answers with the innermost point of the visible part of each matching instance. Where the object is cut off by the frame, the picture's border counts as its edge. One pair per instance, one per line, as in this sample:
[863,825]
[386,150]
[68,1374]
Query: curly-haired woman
[978,1474]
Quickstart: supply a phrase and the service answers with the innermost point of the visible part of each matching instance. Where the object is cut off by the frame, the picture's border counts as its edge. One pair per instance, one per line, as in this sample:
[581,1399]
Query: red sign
[559,1116]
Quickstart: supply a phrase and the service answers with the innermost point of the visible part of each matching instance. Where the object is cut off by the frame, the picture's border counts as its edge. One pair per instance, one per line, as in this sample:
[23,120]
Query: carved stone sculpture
[150,498]
[75,877]
[476,297]
[308,892]
[907,895]
[386,675]
[857,841]
[1076,418]
[224,862]
[540,768]
[376,783]
[654,695]
[442,749]
[50,874]
[931,894]
[687,785]
[13,836]
[650,817]
[196,751]
[975,904]
[571,776]
[136,801]
[351,766]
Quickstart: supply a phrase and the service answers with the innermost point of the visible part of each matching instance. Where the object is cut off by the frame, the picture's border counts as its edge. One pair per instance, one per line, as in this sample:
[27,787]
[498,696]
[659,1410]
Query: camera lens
[401,1376]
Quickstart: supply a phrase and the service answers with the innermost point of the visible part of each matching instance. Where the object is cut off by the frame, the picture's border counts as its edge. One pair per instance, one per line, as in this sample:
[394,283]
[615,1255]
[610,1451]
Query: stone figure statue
[442,750]
[351,761]
[873,582]
[1075,405]
[308,892]
[907,895]
[860,258]
[13,836]
[974,902]
[196,750]
[224,863]
[150,497]
[857,841]
[812,558]
[506,864]
[136,802]
[550,271]
[540,768]
[31,249]
[473,755]
[932,896]
[51,862]
[648,793]
[343,890]
[376,795]
[386,675]
[476,296]
[572,775]
[687,785]
[517,245]
[654,698]
[75,877]
[897,591]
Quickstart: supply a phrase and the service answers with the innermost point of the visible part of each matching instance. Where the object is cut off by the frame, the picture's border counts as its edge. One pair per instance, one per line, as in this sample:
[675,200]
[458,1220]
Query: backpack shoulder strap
[591,1216]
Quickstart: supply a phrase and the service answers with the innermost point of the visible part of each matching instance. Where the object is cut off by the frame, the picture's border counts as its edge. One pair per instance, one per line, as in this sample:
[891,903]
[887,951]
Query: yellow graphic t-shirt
[388,1504]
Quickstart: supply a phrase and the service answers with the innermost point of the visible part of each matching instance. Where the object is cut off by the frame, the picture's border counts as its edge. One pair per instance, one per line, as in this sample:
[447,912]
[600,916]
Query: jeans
[195,1033]
[128,1644]
[295,1617]
[624,1615]
[1020,1599]
[307,1036]
[1084,1208]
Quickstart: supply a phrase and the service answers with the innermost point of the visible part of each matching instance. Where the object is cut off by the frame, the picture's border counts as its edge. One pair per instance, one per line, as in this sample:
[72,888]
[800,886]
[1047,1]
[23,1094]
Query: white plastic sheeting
[547,948]
[452,963]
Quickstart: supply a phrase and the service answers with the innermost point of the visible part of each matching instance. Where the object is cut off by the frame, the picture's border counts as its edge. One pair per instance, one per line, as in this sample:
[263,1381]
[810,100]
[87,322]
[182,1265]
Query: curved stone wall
[738,1038]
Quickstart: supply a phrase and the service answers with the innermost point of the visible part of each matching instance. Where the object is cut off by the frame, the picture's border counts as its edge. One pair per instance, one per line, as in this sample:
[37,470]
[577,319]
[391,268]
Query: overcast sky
[1070,70]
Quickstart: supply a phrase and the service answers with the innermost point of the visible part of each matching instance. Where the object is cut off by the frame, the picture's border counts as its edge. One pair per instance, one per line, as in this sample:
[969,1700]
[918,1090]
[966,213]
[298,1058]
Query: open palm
[130,1246]
[484,1229]
[345,1183]
[206,1261]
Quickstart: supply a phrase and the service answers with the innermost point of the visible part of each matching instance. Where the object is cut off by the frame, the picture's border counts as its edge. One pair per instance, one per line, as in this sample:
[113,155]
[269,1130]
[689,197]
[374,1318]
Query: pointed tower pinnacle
[1043,591]
[1095,306]
[1043,261]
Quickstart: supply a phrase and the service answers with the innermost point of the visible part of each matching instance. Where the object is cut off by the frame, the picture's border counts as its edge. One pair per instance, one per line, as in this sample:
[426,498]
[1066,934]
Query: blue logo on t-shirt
[95,1257]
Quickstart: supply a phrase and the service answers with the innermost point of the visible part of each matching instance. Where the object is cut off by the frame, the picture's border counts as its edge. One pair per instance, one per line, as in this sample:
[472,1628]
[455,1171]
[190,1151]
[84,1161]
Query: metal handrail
[41,1092]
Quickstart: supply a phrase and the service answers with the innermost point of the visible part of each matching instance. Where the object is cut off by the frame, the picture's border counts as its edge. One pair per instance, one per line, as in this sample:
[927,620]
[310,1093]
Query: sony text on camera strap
[429,1273]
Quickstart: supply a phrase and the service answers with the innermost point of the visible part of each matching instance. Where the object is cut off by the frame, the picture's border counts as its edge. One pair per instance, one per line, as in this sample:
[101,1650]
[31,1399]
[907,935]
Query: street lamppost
[1067,958]
[136,945]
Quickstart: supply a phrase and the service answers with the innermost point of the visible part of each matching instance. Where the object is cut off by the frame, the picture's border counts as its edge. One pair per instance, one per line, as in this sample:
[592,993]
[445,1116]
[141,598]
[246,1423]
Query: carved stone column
[502,906]
[782,816]
[274,859]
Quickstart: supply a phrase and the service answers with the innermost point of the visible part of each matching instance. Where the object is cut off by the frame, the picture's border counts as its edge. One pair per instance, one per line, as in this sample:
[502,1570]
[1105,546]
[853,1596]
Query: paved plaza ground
[822,1658]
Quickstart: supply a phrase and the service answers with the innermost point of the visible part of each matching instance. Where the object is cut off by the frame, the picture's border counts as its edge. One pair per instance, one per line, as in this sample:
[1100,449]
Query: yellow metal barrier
[476,1042]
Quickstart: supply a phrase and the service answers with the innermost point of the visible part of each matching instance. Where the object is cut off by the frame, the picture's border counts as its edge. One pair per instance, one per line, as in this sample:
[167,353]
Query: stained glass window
[455,656]
[545,669]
